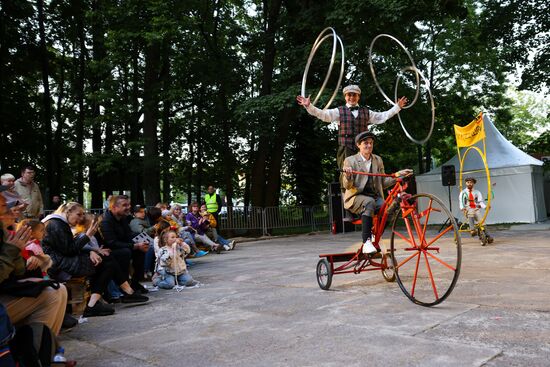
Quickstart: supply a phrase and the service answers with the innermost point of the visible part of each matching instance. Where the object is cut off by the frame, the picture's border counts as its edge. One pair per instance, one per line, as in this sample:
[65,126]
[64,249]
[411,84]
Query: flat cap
[364,135]
[352,88]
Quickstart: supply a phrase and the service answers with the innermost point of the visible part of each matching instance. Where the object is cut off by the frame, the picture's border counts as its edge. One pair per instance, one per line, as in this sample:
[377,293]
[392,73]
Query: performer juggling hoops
[352,119]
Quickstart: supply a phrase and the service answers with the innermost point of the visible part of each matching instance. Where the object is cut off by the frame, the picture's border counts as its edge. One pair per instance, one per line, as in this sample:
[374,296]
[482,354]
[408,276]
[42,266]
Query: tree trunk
[258,176]
[81,108]
[166,107]
[99,54]
[151,87]
[46,107]
[133,131]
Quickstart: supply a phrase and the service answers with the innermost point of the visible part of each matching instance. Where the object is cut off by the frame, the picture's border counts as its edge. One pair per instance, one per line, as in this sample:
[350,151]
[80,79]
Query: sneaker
[134,298]
[192,284]
[99,309]
[68,321]
[201,253]
[226,247]
[368,248]
[232,244]
[473,233]
[139,288]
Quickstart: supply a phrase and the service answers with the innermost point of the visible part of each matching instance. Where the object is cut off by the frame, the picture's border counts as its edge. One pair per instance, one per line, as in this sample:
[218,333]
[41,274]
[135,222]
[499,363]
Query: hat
[470,179]
[364,135]
[352,88]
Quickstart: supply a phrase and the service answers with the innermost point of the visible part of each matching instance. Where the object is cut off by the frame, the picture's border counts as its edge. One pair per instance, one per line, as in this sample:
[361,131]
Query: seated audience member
[145,222]
[211,230]
[199,225]
[72,257]
[118,237]
[12,197]
[37,261]
[171,268]
[49,307]
[140,222]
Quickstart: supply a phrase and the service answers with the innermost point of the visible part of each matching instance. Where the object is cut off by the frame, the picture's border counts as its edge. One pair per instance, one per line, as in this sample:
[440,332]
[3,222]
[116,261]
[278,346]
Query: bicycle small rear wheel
[324,274]
[388,270]
[426,254]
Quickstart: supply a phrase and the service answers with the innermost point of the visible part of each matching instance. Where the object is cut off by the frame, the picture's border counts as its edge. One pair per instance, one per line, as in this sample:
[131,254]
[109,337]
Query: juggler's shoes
[368,248]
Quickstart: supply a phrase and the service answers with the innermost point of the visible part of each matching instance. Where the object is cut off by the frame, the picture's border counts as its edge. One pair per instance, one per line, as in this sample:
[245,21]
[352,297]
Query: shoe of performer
[473,233]
[368,248]
[490,239]
[201,253]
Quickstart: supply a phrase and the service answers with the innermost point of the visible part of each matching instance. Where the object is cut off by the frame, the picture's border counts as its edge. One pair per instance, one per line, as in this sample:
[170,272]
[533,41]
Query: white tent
[516,178]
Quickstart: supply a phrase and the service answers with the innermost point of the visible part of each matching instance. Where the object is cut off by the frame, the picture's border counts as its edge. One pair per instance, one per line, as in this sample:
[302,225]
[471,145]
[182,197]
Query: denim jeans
[150,259]
[222,241]
[166,280]
[114,290]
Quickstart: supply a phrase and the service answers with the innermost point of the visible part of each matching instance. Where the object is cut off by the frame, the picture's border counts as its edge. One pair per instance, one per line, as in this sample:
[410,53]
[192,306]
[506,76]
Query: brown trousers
[48,308]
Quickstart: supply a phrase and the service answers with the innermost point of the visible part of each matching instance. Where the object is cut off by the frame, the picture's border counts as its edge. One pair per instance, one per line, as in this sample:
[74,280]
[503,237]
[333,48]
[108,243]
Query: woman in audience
[71,257]
[49,307]
[200,225]
[211,230]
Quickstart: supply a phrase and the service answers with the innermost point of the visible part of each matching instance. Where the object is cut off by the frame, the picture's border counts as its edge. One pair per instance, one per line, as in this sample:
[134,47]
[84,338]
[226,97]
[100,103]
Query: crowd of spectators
[116,251]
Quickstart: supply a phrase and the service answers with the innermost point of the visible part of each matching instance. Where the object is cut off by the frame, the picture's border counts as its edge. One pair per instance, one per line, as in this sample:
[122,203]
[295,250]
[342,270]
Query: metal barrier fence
[265,220]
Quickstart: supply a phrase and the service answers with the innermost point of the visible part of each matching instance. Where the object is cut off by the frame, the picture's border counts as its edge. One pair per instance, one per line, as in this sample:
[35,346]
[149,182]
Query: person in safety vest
[213,202]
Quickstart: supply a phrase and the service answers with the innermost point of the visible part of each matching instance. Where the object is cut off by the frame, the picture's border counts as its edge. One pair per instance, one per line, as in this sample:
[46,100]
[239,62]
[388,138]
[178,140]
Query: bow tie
[355,108]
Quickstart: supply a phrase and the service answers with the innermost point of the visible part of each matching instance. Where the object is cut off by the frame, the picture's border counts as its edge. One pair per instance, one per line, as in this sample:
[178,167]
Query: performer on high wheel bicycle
[366,193]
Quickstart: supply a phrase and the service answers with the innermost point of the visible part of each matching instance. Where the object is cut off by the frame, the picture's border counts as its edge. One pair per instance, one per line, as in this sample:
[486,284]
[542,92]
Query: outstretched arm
[323,115]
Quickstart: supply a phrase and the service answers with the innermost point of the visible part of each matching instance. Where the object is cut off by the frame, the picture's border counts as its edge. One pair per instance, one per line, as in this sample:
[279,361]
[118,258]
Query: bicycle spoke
[441,261]
[431,276]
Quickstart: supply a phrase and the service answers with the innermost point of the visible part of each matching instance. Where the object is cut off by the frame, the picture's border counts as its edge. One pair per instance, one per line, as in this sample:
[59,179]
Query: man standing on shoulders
[117,236]
[213,202]
[30,193]
[352,119]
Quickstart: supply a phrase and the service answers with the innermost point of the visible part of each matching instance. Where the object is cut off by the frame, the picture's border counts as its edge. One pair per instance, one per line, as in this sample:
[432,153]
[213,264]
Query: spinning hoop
[427,86]
[413,65]
[316,44]
[487,174]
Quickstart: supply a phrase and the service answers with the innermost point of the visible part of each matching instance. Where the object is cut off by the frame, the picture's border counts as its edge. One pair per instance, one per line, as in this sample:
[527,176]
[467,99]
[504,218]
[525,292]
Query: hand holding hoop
[316,45]
[417,74]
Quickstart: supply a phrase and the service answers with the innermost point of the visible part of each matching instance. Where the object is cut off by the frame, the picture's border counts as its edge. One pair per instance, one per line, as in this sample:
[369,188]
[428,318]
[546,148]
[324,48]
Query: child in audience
[38,262]
[171,269]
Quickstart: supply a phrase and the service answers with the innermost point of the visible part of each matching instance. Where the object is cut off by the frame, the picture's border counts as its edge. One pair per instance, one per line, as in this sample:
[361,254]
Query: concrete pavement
[261,306]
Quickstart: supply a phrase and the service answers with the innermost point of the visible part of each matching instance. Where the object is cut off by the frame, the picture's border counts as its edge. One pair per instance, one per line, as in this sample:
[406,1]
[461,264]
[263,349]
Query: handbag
[26,288]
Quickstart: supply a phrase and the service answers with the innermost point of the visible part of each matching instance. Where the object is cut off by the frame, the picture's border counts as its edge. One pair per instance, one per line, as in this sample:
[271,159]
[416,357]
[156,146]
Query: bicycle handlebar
[371,174]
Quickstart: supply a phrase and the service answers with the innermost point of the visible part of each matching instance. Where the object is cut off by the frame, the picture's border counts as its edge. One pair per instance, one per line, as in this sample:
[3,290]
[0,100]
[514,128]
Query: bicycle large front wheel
[426,248]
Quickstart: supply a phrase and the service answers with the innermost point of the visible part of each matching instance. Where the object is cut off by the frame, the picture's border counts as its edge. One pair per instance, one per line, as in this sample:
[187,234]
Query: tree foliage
[162,98]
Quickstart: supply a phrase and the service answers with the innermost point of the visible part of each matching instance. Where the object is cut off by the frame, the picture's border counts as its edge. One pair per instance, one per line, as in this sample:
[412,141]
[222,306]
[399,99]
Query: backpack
[34,345]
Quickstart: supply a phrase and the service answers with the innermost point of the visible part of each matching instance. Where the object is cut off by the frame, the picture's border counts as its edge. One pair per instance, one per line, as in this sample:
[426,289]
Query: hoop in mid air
[418,75]
[326,33]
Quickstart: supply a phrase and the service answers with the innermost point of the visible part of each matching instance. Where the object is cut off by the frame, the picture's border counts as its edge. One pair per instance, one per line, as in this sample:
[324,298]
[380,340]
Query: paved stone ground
[261,306]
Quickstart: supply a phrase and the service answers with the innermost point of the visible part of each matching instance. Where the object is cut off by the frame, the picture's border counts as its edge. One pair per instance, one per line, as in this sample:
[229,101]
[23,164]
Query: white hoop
[371,64]
[316,45]
[427,86]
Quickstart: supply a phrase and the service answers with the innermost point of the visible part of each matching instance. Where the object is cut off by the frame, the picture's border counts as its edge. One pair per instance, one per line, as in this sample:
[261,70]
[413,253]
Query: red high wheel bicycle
[424,257]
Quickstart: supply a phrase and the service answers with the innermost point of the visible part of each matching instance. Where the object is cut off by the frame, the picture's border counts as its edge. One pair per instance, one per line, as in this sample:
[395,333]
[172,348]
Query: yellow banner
[470,134]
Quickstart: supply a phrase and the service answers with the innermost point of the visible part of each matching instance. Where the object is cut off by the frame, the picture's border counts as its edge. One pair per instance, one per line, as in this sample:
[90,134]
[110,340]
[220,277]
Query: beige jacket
[31,195]
[357,183]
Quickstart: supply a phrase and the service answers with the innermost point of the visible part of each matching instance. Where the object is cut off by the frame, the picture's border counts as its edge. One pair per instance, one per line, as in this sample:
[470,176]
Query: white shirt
[331,115]
[368,163]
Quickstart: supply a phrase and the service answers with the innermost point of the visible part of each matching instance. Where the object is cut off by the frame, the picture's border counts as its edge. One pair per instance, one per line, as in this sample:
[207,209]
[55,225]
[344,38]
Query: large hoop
[489,187]
[413,65]
[336,39]
[427,86]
